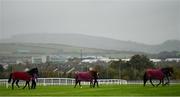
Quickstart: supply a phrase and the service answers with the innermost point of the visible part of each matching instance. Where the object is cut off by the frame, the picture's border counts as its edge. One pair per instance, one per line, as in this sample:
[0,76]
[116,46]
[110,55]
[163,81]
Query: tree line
[130,70]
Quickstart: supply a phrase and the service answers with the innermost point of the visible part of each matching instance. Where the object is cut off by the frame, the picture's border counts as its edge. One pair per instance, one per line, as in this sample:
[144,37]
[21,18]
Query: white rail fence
[71,81]
[65,81]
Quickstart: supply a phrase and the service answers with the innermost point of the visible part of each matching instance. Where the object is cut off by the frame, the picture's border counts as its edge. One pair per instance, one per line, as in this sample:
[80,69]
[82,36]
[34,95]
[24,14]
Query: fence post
[66,81]
[7,84]
[44,82]
[59,81]
[51,81]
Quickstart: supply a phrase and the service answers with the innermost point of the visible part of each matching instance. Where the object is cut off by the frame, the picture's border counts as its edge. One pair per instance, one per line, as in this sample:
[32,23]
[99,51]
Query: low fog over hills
[87,41]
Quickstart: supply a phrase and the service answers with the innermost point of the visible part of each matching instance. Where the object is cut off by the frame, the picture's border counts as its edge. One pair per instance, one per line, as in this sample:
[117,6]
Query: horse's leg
[145,79]
[168,81]
[163,82]
[80,83]
[25,85]
[91,83]
[159,83]
[151,82]
[32,85]
[17,81]
[28,84]
[95,83]
[76,82]
[13,84]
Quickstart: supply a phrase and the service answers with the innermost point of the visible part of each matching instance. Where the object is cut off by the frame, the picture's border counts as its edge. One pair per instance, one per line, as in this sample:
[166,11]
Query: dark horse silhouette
[88,76]
[159,74]
[19,75]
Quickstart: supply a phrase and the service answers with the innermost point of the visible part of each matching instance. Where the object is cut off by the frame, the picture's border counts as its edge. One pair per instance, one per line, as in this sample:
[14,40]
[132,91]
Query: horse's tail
[145,74]
[10,77]
[145,78]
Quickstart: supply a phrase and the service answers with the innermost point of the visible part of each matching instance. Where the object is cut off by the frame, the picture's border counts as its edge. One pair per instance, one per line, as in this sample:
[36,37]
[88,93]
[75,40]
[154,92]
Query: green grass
[103,90]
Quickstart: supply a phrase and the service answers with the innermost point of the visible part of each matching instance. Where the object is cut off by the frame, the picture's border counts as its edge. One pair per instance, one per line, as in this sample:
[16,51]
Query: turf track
[103,90]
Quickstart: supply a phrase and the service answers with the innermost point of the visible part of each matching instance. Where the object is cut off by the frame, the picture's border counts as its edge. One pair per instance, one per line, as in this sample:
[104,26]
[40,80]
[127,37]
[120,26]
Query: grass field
[103,90]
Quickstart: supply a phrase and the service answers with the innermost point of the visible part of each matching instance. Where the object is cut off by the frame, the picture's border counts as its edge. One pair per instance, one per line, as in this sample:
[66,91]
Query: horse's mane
[32,71]
[166,68]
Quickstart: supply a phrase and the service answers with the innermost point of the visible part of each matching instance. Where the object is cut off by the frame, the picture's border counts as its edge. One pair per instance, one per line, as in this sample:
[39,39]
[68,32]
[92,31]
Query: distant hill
[86,41]
[36,49]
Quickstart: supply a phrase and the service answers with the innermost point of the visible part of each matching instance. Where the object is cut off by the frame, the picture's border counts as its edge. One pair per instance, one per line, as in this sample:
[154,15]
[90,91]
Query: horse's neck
[165,71]
[30,72]
[94,74]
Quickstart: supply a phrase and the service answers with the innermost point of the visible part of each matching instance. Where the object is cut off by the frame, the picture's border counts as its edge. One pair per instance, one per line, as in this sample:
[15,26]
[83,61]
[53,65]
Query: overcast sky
[144,21]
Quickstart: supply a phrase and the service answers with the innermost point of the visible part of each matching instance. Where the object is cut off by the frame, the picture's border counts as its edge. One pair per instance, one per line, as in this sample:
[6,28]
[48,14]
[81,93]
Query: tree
[134,69]
[1,69]
[138,64]
[115,68]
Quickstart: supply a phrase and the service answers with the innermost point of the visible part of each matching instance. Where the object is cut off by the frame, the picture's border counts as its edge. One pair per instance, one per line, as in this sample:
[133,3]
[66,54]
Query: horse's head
[168,71]
[171,71]
[94,73]
[33,71]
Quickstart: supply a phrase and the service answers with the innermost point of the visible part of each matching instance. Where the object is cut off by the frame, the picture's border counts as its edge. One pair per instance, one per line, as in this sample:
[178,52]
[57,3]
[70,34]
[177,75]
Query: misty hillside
[94,42]
[36,49]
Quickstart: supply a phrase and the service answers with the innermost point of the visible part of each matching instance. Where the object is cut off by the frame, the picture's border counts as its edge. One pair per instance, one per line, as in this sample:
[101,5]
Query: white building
[55,58]
[90,59]
[173,59]
[126,60]
[155,60]
[39,59]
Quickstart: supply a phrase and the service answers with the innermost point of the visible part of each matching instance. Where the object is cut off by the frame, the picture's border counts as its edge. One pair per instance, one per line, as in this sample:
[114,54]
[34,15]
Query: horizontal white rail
[65,81]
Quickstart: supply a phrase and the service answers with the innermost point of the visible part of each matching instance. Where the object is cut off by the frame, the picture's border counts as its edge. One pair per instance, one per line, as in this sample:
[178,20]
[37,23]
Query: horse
[20,75]
[158,74]
[88,76]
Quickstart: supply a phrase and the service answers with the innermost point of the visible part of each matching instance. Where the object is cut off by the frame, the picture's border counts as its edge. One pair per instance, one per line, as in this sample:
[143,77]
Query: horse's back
[155,73]
[21,75]
[83,76]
